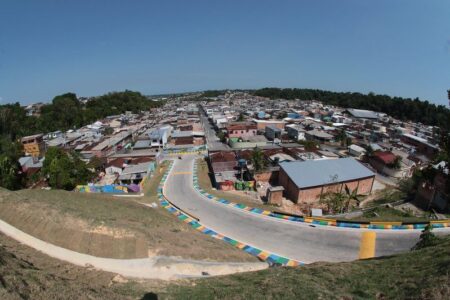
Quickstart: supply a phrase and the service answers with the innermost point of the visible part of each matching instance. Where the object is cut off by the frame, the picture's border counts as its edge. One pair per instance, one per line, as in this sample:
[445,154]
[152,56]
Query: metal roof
[362,113]
[320,172]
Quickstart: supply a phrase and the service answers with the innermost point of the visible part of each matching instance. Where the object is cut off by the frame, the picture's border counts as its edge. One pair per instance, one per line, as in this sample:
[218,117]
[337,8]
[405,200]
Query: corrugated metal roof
[362,113]
[319,172]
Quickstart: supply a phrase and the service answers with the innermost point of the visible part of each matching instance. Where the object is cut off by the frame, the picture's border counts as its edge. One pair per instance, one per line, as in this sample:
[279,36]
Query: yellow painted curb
[367,245]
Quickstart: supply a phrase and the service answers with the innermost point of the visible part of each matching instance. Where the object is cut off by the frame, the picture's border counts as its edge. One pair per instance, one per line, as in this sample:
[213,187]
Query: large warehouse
[307,181]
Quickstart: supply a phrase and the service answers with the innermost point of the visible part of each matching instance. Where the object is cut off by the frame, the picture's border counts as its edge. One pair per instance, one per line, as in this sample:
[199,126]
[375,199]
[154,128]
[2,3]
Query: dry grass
[108,226]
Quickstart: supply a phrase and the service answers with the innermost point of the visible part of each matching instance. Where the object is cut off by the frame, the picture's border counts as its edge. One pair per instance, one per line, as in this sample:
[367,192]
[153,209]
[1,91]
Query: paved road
[212,140]
[296,241]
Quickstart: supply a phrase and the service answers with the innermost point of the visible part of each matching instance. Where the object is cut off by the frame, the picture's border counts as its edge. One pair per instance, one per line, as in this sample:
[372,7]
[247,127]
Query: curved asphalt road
[297,241]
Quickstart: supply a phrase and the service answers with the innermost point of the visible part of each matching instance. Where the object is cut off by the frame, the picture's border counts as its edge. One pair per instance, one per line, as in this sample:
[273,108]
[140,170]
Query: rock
[119,279]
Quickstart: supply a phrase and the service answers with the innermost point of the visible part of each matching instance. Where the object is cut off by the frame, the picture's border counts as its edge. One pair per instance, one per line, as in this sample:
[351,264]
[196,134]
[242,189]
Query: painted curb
[318,221]
[261,254]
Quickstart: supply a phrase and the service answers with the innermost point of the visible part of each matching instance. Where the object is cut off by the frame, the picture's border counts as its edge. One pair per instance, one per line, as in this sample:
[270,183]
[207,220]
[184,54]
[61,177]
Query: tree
[400,108]
[351,197]
[258,161]
[241,117]
[396,164]
[338,202]
[342,137]
[96,163]
[333,201]
[10,175]
[65,170]
[221,136]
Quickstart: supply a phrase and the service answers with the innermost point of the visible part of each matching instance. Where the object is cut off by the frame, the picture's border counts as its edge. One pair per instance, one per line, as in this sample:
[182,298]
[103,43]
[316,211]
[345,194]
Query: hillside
[422,274]
[107,226]
[28,274]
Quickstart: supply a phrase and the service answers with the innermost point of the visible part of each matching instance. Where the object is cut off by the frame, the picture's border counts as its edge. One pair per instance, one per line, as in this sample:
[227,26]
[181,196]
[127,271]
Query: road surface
[298,241]
[212,140]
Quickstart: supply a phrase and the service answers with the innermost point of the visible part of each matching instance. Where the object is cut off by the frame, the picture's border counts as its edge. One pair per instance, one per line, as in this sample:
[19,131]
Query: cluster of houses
[310,148]
[127,145]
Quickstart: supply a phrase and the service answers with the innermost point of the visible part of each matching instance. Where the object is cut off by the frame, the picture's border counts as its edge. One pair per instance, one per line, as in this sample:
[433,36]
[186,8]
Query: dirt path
[157,267]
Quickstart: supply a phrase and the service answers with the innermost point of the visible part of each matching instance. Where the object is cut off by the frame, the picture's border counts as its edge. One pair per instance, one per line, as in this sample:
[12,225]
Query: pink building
[243,131]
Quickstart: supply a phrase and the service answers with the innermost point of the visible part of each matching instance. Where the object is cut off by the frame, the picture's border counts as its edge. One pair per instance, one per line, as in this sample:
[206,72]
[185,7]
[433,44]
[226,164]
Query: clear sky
[395,47]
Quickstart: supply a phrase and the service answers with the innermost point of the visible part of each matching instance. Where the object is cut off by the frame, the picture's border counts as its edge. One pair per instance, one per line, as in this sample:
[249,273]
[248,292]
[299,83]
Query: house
[272,132]
[422,145]
[133,174]
[390,164]
[34,145]
[250,143]
[243,131]
[296,132]
[262,124]
[160,136]
[115,166]
[356,151]
[30,162]
[224,167]
[182,138]
[317,135]
[307,181]
[362,114]
[111,144]
[142,144]
[435,194]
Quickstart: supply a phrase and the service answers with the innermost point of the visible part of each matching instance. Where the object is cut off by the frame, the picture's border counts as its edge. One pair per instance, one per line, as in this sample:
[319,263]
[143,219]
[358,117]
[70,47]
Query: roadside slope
[422,274]
[110,227]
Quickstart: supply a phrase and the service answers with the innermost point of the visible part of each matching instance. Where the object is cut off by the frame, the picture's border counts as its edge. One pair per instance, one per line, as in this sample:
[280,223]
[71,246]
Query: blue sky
[400,48]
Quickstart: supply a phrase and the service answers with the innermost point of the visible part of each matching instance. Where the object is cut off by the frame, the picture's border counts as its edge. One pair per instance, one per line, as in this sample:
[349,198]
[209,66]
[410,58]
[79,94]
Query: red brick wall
[365,185]
[290,189]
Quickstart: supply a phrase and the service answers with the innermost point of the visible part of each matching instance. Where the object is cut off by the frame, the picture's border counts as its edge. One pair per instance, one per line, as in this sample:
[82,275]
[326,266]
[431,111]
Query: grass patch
[389,215]
[422,274]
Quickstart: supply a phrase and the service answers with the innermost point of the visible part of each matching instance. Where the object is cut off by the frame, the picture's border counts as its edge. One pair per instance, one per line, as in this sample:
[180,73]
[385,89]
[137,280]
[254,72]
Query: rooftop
[312,173]
[362,113]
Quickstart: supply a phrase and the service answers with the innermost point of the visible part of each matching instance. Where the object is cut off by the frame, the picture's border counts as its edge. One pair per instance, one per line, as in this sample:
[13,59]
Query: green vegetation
[213,93]
[427,239]
[340,202]
[63,113]
[259,163]
[10,176]
[401,108]
[65,170]
[421,274]
[390,215]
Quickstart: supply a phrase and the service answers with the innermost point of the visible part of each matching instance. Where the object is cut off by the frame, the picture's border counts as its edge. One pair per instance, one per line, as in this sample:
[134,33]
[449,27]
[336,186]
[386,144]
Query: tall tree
[258,161]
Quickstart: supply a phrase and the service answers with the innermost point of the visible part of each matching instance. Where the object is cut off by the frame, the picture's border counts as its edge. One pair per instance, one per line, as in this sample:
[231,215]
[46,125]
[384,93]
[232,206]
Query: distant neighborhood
[294,152]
